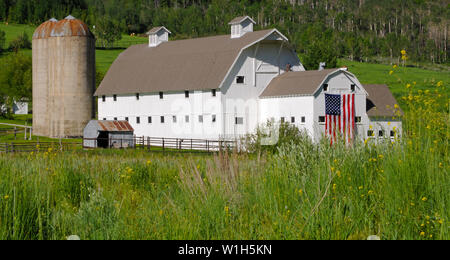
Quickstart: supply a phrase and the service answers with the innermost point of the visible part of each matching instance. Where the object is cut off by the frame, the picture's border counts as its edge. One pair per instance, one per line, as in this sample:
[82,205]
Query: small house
[108,134]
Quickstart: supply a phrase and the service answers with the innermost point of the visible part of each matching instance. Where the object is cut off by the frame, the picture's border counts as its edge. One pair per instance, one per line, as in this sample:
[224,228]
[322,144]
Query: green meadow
[303,190]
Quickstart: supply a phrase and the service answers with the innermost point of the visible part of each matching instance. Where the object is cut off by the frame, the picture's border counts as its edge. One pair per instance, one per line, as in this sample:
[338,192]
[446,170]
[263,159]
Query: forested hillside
[365,30]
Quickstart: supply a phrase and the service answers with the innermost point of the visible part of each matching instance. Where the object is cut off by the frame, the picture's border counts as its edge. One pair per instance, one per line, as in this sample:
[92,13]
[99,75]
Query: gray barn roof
[380,102]
[296,83]
[193,64]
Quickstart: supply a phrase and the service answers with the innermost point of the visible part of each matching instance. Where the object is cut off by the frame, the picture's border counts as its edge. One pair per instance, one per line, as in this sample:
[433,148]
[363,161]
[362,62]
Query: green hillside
[426,75]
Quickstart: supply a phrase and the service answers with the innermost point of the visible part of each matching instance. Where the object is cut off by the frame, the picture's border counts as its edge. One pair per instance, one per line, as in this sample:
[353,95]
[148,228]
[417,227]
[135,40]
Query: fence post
[207,146]
[148,143]
[191,144]
[15,133]
[163,143]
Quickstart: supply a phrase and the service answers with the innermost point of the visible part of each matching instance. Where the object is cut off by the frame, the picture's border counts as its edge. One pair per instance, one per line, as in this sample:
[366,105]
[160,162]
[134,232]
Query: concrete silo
[41,77]
[67,87]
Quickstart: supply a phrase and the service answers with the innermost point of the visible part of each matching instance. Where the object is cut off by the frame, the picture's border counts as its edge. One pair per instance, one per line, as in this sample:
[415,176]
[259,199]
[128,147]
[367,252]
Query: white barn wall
[287,107]
[173,104]
[241,100]
[340,83]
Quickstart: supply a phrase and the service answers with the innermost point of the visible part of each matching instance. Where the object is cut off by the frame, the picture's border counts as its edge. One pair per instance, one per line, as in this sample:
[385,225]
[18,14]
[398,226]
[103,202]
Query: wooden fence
[147,143]
[28,147]
[161,143]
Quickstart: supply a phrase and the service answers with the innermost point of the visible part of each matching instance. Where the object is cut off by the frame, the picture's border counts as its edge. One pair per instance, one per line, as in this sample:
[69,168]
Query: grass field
[394,190]
[303,191]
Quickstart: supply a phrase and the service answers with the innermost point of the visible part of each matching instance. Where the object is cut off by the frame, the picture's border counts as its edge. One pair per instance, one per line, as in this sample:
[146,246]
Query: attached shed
[108,134]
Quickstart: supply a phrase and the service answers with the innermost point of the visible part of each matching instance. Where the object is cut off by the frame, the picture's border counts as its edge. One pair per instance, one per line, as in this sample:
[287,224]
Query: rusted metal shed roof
[70,26]
[115,126]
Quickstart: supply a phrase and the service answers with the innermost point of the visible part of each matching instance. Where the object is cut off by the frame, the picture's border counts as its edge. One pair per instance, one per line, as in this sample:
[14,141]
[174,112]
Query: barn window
[293,119]
[321,119]
[174,119]
[325,87]
[115,97]
[370,133]
[358,119]
[137,96]
[138,120]
[213,92]
[103,98]
[161,95]
[104,119]
[115,118]
[303,119]
[186,118]
[162,119]
[186,94]
[239,120]
[126,119]
[392,133]
[213,118]
[240,79]
[353,87]
[200,119]
[283,120]
[381,133]
[149,119]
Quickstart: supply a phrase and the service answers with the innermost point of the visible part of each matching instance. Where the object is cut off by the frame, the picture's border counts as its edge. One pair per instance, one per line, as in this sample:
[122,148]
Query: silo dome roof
[69,26]
[44,30]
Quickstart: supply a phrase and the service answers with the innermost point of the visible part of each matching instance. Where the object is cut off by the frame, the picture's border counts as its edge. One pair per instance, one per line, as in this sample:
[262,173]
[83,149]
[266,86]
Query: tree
[21,42]
[15,80]
[108,31]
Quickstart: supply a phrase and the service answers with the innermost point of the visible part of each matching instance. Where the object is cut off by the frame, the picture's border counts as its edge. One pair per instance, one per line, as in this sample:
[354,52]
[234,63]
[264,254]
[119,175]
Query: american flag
[340,116]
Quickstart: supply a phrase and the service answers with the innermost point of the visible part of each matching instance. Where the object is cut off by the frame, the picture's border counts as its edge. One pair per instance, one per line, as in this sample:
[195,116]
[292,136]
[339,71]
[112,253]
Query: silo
[41,77]
[70,85]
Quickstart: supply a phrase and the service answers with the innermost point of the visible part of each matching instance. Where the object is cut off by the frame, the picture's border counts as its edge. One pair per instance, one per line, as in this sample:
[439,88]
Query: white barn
[223,87]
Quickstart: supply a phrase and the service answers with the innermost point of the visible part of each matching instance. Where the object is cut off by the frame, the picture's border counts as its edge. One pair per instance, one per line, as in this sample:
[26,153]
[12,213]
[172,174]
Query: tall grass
[396,190]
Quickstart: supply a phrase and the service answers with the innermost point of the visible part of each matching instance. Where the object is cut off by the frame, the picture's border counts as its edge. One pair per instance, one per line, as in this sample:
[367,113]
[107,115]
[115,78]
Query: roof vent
[322,66]
[240,26]
[158,35]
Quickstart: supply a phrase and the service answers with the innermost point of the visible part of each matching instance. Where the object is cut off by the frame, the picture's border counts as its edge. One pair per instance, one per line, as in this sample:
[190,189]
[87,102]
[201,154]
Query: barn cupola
[240,26]
[158,35]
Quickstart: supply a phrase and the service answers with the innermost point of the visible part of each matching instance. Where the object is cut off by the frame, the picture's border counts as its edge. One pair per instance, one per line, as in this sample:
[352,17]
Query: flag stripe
[340,116]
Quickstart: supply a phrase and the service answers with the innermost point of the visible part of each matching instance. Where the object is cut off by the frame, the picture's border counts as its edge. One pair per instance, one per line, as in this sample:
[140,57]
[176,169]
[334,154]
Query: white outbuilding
[224,87]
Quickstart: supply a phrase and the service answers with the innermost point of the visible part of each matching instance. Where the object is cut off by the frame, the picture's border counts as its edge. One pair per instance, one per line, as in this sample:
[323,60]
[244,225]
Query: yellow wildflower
[408,85]
[6,197]
[424,199]
[300,192]
[395,66]
[391,72]
[422,233]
